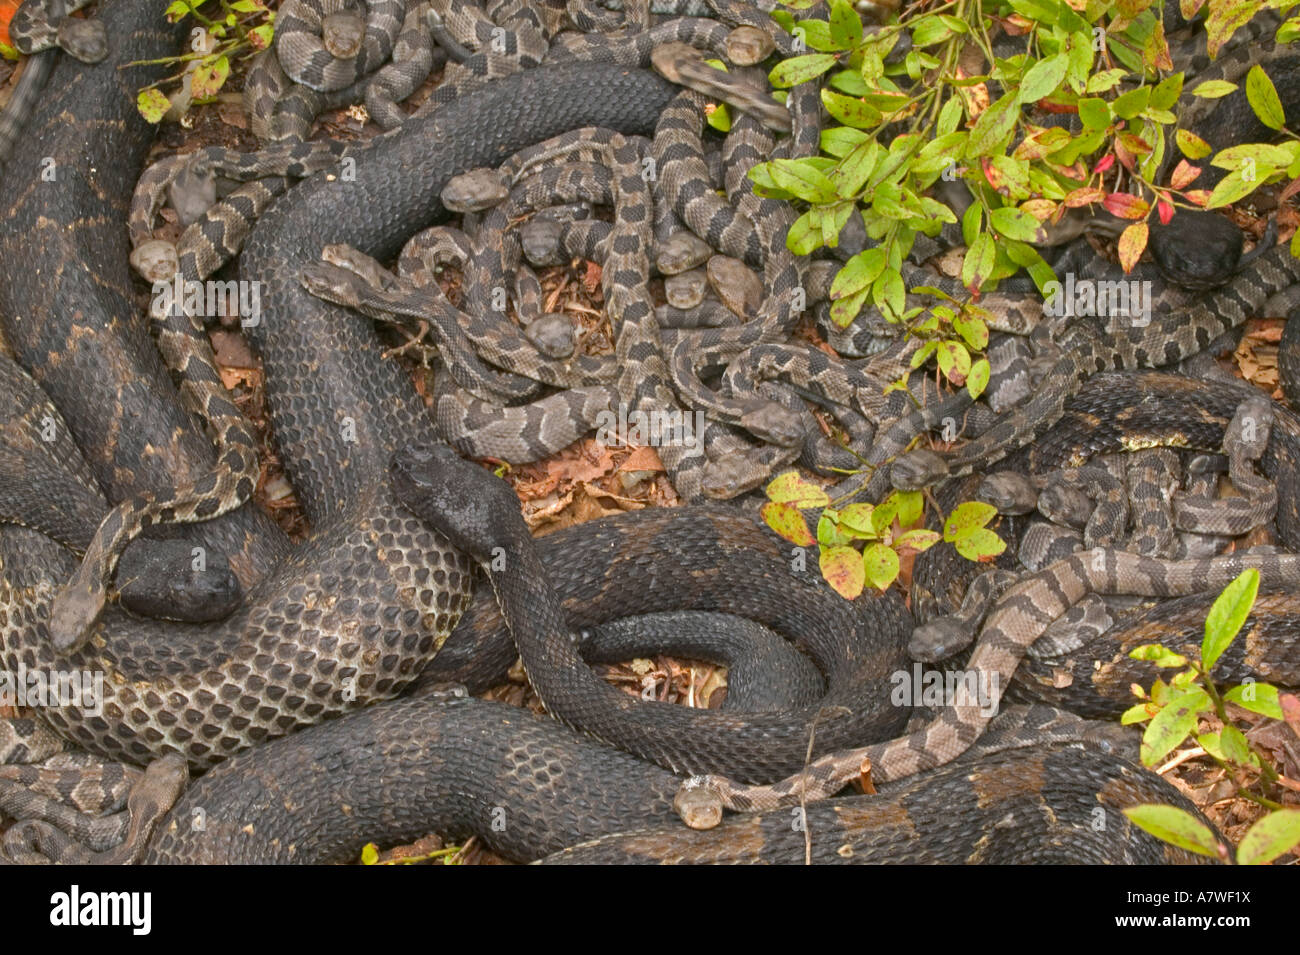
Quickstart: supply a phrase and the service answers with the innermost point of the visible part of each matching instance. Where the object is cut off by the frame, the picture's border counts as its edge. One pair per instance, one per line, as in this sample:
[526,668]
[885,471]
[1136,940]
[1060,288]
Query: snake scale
[339,413]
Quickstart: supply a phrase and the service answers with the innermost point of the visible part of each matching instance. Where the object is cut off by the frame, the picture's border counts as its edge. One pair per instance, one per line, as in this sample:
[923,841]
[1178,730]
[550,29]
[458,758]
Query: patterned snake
[339,412]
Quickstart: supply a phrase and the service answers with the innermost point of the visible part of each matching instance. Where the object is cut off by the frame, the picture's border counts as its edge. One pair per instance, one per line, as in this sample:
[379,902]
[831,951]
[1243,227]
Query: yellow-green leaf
[843,570]
[1176,827]
[153,105]
[880,565]
[787,520]
[1264,99]
[1276,833]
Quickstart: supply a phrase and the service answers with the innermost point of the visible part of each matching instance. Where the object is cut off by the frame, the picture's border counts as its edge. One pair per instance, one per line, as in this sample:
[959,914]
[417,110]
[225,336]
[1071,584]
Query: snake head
[332,283]
[471,507]
[1009,491]
[475,190]
[363,266]
[938,640]
[775,424]
[917,470]
[86,40]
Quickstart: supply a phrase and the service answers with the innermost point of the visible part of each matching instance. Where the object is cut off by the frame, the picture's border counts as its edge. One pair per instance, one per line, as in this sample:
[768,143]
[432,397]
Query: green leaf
[830,532]
[1158,654]
[967,516]
[1227,615]
[843,570]
[1015,223]
[1138,713]
[800,69]
[1043,78]
[787,520]
[1167,91]
[805,234]
[153,105]
[801,179]
[858,273]
[839,141]
[1105,80]
[846,309]
[1236,185]
[949,117]
[1264,99]
[993,129]
[978,263]
[888,293]
[855,169]
[1234,745]
[370,851]
[850,110]
[859,519]
[1094,113]
[846,25]
[1259,698]
[1276,833]
[880,565]
[978,379]
[719,118]
[979,544]
[972,328]
[1173,724]
[1176,827]
[1132,102]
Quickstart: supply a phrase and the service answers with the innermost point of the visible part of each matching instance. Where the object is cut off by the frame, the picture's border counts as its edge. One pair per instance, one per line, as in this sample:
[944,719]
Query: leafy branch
[239,27]
[1173,711]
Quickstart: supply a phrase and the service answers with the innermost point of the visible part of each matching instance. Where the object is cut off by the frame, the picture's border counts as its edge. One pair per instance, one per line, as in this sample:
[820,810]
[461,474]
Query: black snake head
[473,509]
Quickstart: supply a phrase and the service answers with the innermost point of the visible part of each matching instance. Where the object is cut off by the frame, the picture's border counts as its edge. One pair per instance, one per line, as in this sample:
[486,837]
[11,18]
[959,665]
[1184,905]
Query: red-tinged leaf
[1085,196]
[1184,174]
[1104,163]
[1290,704]
[1197,197]
[787,521]
[843,570]
[1224,19]
[1040,209]
[1165,210]
[791,488]
[1126,206]
[209,78]
[1135,144]
[1125,155]
[1132,242]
